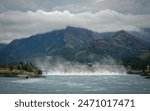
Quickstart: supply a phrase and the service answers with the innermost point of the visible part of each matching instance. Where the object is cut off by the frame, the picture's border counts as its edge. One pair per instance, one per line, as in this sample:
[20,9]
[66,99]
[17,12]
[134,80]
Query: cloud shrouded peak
[16,24]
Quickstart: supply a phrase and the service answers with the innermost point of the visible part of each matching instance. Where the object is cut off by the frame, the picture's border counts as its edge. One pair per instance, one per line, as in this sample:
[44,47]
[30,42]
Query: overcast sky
[22,18]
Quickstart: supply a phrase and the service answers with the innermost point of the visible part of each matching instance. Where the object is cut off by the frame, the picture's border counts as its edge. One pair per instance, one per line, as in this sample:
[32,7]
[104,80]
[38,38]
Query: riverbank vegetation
[138,66]
[21,69]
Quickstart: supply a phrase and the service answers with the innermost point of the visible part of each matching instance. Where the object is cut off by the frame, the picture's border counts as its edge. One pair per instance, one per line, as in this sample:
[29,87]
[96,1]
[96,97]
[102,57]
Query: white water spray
[61,67]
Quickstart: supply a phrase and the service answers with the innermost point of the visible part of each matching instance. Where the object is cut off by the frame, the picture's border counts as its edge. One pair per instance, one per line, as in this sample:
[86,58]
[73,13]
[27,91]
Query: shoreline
[19,74]
[22,70]
[146,73]
[34,74]
[25,76]
[31,75]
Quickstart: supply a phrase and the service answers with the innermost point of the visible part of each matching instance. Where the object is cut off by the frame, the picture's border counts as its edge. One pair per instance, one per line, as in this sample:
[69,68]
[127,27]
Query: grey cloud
[15,24]
[76,6]
[20,5]
[124,6]
[33,5]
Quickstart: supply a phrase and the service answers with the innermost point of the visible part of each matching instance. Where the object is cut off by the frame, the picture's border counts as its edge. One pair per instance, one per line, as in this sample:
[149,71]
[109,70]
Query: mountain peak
[122,32]
[71,28]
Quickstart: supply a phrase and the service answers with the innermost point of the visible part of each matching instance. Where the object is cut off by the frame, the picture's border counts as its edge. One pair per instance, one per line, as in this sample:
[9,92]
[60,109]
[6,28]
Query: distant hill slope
[2,45]
[51,43]
[121,45]
[143,34]
[74,44]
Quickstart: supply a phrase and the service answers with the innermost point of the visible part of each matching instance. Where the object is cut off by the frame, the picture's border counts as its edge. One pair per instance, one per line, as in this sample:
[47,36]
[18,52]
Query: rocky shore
[145,73]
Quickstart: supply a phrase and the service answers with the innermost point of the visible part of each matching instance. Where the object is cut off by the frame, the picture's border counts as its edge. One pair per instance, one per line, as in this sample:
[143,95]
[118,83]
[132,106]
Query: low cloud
[16,24]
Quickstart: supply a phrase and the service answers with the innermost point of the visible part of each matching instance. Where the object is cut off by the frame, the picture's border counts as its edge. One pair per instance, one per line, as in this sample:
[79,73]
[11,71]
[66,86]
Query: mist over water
[90,69]
[60,66]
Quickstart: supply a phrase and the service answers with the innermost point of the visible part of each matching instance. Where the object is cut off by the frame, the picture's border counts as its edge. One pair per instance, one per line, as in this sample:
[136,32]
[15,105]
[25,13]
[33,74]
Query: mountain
[127,45]
[108,35]
[59,42]
[75,44]
[143,34]
[121,45]
[2,45]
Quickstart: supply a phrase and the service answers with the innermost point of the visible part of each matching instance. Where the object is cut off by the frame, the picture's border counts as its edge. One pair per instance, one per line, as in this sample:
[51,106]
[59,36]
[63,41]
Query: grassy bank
[20,70]
[15,73]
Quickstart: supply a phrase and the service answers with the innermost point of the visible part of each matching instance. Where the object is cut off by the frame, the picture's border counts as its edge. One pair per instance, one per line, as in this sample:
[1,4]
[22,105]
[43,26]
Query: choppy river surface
[76,84]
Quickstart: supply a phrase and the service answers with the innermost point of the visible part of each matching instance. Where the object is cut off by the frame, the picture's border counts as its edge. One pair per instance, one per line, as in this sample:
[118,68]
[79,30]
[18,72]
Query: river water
[76,84]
